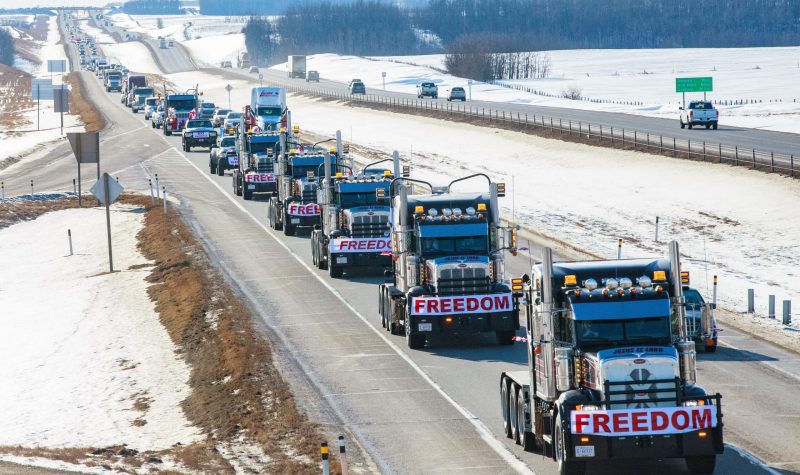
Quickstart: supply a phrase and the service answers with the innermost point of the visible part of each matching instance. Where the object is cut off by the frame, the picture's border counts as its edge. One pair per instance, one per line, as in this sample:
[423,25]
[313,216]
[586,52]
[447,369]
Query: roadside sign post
[86,148]
[469,82]
[229,88]
[383,75]
[260,80]
[58,66]
[703,84]
[107,191]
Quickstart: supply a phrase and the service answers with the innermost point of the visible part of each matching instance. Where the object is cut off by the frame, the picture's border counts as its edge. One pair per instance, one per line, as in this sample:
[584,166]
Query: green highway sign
[693,84]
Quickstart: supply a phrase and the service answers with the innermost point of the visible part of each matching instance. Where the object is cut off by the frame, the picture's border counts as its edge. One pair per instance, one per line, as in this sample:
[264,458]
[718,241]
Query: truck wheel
[212,168]
[714,126]
[690,125]
[701,464]
[683,126]
[415,341]
[314,259]
[335,271]
[505,338]
[168,132]
[288,230]
[526,439]
[247,196]
[708,126]
[220,170]
[505,404]
[324,258]
[237,186]
[710,348]
[565,467]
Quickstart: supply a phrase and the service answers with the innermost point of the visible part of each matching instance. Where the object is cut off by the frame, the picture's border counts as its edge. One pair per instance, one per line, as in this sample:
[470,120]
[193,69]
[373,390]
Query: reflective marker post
[342,455]
[326,465]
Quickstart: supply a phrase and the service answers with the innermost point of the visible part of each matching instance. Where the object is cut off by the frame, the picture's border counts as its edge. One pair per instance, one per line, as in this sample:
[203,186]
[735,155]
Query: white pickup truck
[427,89]
[699,113]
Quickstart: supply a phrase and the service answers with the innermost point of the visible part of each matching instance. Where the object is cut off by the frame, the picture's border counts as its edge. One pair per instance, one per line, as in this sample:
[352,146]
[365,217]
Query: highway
[434,410]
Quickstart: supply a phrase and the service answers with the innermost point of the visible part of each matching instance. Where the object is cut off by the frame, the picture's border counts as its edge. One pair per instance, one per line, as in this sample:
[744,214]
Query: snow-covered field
[81,346]
[18,139]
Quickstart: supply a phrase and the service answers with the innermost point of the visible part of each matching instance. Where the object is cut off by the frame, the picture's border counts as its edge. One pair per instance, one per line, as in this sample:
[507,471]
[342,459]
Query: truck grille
[641,392]
[463,281]
[309,194]
[366,226]
[264,165]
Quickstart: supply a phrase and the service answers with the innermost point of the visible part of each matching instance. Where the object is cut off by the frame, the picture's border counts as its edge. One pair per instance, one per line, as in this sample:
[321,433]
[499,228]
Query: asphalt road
[423,411]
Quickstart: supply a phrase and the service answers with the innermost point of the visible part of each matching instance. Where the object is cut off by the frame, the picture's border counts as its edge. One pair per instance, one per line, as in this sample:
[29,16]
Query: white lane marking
[486,435]
[379,393]
[765,363]
[753,459]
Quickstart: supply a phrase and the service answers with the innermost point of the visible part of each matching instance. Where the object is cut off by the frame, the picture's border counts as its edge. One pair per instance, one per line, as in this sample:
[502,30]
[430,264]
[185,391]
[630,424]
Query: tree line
[559,24]
[6,48]
[152,7]
[243,7]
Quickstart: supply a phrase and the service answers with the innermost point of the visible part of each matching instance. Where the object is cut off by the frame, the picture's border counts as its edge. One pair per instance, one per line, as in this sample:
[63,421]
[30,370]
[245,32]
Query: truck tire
[708,126]
[710,348]
[415,341]
[288,230]
[314,258]
[526,439]
[505,405]
[701,464]
[505,338]
[247,196]
[683,126]
[714,126]
[212,167]
[565,467]
[220,170]
[324,258]
[335,271]
[690,125]
[237,186]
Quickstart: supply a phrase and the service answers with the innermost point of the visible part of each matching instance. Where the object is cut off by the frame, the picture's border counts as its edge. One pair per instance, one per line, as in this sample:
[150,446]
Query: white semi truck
[296,66]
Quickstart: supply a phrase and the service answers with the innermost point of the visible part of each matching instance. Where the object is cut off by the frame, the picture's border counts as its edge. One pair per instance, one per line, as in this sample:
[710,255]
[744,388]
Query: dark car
[357,87]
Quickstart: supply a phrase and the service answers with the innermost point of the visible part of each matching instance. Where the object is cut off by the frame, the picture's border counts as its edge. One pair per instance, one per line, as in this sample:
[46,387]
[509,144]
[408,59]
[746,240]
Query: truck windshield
[227,142]
[269,110]
[182,105]
[256,147]
[144,91]
[193,124]
[454,246]
[693,298]
[302,171]
[701,105]
[350,200]
[598,334]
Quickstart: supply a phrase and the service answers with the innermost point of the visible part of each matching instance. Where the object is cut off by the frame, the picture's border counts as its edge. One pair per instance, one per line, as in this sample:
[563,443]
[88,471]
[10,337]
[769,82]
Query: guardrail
[596,134]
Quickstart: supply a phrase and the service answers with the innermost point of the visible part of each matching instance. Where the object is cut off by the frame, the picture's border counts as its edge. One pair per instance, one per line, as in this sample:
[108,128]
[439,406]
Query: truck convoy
[449,271]
[177,109]
[353,232]
[296,66]
[611,372]
[295,204]
[267,110]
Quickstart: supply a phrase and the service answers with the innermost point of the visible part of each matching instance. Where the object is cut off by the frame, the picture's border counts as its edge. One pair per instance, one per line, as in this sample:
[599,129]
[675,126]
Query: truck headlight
[587,407]
[694,403]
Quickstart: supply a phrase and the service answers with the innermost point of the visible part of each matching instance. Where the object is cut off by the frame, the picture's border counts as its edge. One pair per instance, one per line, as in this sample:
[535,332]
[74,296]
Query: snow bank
[134,55]
[211,50]
[82,346]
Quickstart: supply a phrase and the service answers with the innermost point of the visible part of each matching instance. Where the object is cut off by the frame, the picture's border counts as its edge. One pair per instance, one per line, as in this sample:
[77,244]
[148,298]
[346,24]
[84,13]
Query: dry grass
[15,89]
[80,105]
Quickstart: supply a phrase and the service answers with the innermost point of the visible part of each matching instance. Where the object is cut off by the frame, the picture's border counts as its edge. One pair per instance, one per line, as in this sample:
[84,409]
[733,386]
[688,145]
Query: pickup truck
[224,157]
[699,113]
[427,89]
[199,133]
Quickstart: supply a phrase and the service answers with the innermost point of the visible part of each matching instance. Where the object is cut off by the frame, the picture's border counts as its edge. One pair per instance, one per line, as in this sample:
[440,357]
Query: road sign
[229,88]
[42,89]
[85,146]
[56,65]
[383,74]
[694,84]
[61,100]
[99,189]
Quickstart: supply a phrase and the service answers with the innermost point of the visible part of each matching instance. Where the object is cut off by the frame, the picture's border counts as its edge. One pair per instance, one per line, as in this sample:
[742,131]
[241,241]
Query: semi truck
[448,264]
[353,233]
[267,109]
[258,153]
[611,372]
[701,325]
[296,66]
[112,80]
[178,108]
[295,204]
[243,60]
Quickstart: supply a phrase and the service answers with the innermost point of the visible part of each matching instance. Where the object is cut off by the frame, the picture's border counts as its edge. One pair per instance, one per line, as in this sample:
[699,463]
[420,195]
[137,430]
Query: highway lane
[355,367]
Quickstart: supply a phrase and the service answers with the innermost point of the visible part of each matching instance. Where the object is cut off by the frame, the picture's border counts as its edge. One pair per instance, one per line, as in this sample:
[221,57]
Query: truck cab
[257,153]
[354,233]
[178,108]
[427,89]
[267,109]
[449,266]
[295,205]
[113,80]
[701,326]
[611,371]
[139,96]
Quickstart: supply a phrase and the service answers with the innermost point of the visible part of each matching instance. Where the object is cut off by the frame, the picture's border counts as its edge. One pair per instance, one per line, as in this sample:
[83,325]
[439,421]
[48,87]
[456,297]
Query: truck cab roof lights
[625,283]
[481,206]
[419,210]
[590,284]
[611,283]
[457,212]
[470,211]
[447,212]
[659,275]
[570,280]
[433,212]
[644,281]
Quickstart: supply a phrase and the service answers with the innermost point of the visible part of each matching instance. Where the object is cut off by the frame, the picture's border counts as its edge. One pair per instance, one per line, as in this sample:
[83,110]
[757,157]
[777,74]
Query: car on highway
[699,113]
[226,64]
[198,133]
[312,76]
[207,110]
[150,105]
[427,89]
[224,156]
[219,117]
[171,43]
[254,69]
[457,94]
[232,120]
[357,87]
[157,118]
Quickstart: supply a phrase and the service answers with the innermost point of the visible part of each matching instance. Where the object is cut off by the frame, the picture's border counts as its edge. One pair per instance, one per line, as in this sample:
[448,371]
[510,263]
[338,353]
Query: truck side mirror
[713,306]
[680,108]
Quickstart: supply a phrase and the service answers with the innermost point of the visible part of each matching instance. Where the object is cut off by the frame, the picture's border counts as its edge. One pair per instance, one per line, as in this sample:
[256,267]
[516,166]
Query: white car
[157,117]
[232,119]
[150,105]
[219,117]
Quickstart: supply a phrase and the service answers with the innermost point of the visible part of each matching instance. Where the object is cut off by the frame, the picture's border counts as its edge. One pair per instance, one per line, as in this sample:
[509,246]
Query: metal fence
[597,134]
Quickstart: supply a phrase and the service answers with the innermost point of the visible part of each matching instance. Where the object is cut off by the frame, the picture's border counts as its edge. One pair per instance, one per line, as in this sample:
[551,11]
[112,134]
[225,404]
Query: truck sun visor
[619,310]
[453,230]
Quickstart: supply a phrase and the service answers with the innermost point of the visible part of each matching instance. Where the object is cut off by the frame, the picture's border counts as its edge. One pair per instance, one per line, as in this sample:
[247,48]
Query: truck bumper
[366,260]
[200,142]
[270,188]
[652,446]
[302,221]
[464,323]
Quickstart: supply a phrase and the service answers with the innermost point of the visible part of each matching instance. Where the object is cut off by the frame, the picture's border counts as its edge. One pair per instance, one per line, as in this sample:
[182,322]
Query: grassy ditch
[81,105]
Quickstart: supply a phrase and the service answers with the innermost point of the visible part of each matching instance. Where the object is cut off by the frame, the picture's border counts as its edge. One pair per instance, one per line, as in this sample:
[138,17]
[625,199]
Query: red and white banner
[461,304]
[347,245]
[652,421]
[259,177]
[299,209]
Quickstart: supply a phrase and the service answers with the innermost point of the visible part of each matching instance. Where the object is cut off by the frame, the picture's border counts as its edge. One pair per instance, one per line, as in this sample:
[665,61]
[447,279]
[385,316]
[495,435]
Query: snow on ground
[211,50]
[196,26]
[134,55]
[80,345]
[19,139]
[776,79]
[98,35]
